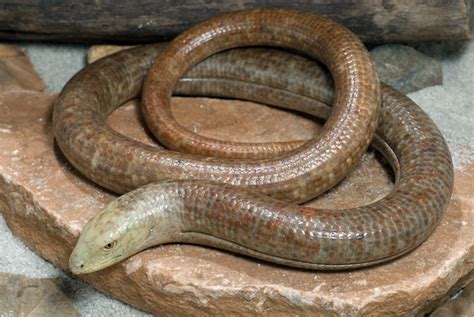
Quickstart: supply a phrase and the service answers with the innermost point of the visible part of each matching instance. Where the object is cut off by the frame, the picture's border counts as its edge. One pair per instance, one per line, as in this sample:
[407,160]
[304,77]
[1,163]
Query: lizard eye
[110,245]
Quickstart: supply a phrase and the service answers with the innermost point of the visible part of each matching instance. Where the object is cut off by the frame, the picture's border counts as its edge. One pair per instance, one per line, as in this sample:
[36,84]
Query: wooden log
[151,20]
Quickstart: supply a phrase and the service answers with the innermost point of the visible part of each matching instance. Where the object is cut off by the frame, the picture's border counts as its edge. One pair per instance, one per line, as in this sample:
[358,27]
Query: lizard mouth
[79,266]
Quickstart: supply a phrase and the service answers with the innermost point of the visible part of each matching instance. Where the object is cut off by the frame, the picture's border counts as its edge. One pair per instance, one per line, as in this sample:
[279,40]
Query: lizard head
[114,234]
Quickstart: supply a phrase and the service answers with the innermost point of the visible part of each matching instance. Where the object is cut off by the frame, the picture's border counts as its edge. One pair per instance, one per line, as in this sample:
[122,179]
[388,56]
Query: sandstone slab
[46,203]
[16,71]
[96,52]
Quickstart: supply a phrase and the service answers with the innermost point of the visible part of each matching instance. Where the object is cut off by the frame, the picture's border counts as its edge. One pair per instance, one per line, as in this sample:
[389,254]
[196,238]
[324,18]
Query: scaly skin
[223,216]
[155,214]
[246,222]
[120,165]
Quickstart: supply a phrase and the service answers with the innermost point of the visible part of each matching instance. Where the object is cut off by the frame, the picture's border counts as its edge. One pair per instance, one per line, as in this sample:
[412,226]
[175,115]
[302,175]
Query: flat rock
[33,297]
[16,71]
[405,68]
[46,203]
[96,52]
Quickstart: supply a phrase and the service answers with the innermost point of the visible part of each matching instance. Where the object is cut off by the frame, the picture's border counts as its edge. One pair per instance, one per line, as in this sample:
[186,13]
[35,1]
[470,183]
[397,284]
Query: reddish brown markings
[307,211]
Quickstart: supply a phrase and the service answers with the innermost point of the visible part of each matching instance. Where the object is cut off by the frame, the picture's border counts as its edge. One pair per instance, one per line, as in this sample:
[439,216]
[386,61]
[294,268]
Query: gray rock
[25,296]
[405,68]
[460,305]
